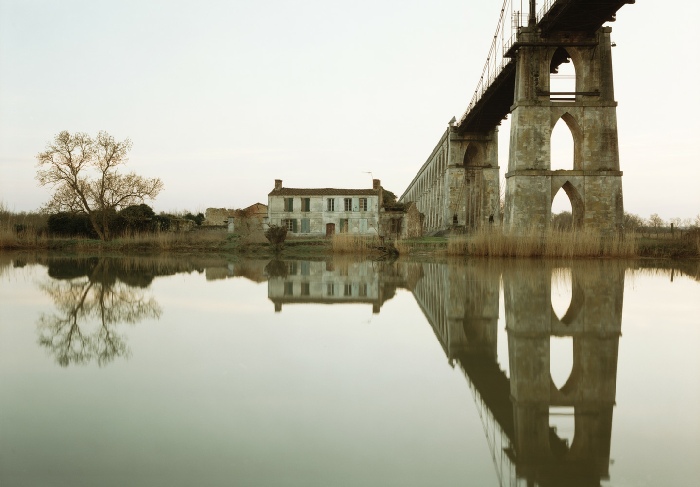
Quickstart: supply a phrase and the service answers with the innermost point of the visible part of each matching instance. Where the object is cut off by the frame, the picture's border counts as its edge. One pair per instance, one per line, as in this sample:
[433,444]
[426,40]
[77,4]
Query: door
[330,229]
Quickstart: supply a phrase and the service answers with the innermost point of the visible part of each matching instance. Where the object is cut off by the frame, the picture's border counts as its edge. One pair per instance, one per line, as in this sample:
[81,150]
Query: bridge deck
[558,15]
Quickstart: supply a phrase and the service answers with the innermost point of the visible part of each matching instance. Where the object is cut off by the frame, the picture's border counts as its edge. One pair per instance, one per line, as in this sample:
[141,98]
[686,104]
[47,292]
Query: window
[363,289]
[347,204]
[305,288]
[330,289]
[363,204]
[347,290]
[395,225]
[289,204]
[288,288]
[290,224]
[330,204]
[306,204]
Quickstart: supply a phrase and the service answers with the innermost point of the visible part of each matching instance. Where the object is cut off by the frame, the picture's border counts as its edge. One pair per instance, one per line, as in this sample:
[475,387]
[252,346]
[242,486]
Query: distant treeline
[132,219]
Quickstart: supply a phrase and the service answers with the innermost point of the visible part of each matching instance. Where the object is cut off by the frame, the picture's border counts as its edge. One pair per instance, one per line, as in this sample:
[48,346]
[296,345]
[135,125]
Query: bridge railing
[504,38]
[546,6]
[506,30]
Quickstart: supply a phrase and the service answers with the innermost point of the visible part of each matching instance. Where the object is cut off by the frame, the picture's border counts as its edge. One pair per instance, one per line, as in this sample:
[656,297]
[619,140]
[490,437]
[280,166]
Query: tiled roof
[322,192]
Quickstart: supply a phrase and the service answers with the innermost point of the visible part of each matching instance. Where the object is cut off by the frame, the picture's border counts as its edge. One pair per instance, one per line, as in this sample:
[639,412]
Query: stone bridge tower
[594,183]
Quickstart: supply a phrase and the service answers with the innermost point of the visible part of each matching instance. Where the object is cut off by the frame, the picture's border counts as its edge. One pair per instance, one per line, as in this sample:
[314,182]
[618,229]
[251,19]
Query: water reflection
[541,430]
[332,282]
[92,298]
[522,413]
[538,433]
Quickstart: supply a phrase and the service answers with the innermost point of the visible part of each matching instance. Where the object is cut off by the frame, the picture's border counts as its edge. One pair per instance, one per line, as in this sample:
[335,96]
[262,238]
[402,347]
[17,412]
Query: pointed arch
[564,69]
[474,155]
[576,135]
[577,207]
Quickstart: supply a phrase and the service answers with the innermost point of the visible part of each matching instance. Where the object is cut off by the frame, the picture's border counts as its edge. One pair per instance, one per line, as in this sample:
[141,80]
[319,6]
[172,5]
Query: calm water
[207,372]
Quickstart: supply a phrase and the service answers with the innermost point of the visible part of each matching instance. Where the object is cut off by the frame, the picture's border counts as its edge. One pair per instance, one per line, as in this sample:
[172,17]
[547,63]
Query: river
[208,371]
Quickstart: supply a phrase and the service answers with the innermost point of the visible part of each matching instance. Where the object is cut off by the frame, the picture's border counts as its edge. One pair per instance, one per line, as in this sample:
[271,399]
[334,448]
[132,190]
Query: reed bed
[347,243]
[550,244]
[30,239]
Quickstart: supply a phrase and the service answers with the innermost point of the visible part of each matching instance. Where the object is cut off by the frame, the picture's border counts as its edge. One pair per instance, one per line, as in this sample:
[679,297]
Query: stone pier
[594,183]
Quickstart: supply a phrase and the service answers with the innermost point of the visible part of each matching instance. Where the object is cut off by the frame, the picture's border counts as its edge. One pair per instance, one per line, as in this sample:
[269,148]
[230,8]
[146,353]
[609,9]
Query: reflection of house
[325,211]
[321,282]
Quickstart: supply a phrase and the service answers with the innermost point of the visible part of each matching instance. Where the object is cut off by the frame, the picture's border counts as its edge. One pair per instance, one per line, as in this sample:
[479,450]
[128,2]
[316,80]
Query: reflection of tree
[89,310]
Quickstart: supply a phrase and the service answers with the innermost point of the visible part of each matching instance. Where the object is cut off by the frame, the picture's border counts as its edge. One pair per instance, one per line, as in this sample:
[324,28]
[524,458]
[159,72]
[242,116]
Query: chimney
[376,184]
[278,184]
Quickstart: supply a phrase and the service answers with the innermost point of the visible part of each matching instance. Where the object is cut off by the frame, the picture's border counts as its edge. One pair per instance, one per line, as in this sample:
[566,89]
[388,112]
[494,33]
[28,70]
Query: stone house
[401,220]
[325,211]
[254,215]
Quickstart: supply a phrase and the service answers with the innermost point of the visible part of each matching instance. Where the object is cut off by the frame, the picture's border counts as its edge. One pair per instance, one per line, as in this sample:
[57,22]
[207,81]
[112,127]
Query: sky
[220,98]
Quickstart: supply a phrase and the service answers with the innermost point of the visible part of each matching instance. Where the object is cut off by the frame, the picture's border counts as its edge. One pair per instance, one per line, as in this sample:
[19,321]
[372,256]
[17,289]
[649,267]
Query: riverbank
[490,243]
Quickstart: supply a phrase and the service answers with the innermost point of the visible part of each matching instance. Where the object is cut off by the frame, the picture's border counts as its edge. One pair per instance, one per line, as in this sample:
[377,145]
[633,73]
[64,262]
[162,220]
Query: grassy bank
[485,243]
[549,244]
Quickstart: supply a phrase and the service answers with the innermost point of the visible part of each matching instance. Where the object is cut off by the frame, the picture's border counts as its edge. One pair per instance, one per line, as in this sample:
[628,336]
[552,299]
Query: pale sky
[222,97]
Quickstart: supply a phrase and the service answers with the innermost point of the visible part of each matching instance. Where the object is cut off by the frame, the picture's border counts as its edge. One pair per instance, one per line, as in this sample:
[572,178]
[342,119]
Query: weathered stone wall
[217,216]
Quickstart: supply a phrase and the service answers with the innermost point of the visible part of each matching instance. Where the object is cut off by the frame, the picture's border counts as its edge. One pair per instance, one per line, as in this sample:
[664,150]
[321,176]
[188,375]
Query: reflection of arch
[561,360]
[576,134]
[578,299]
[576,200]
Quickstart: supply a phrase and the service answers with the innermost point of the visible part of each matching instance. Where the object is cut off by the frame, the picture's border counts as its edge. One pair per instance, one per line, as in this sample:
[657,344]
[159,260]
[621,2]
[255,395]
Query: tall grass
[552,243]
[30,239]
[347,243]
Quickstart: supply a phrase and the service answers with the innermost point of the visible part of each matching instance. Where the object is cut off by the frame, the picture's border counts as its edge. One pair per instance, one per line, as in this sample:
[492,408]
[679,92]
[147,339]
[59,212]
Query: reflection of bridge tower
[461,303]
[594,182]
[593,323]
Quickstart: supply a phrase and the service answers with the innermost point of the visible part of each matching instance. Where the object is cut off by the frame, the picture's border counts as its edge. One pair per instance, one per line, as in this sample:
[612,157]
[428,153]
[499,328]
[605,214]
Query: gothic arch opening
[473,156]
[562,214]
[562,77]
[565,144]
[567,209]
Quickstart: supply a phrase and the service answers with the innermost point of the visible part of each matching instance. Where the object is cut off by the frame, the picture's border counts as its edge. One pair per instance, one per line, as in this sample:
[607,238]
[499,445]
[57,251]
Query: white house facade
[325,211]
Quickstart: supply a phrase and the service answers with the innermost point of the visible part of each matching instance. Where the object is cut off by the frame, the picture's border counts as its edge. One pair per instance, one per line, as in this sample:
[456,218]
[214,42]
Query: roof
[256,206]
[323,192]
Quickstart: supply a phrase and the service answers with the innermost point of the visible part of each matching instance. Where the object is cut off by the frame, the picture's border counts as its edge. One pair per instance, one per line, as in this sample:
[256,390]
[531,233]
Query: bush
[71,225]
[198,219]
[276,235]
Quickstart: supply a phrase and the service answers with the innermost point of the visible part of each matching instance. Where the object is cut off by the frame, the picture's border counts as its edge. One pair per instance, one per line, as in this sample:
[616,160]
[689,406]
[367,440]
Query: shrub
[198,219]
[276,235]
[70,225]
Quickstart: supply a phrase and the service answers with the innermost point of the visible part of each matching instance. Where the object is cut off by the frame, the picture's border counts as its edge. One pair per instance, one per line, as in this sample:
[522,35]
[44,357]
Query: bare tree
[84,174]
[656,222]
